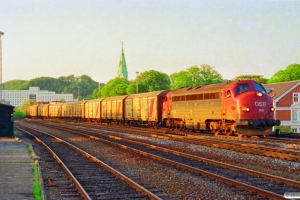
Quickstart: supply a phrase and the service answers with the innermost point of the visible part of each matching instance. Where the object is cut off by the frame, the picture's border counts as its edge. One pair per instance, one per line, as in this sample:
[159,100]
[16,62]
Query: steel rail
[78,186]
[229,166]
[191,169]
[122,177]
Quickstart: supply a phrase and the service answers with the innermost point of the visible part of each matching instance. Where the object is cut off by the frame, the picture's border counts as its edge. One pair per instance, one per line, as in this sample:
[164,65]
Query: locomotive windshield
[259,88]
[242,88]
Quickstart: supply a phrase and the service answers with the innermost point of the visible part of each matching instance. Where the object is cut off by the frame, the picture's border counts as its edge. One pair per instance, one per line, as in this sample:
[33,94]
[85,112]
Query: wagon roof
[43,105]
[56,104]
[35,105]
[95,100]
[160,93]
[76,102]
[115,98]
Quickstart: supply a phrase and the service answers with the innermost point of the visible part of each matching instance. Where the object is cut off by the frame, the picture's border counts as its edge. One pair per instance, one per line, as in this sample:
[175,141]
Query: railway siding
[157,175]
[221,170]
[98,182]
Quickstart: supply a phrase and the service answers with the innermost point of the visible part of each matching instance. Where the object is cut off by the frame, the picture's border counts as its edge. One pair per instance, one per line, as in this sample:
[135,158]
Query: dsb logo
[260,103]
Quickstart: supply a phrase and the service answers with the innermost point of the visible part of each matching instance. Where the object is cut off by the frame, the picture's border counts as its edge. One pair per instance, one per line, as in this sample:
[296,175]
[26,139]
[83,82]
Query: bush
[19,114]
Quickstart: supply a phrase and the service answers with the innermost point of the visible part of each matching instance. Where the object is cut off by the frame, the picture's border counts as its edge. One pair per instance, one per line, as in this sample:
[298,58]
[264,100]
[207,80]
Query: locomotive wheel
[278,132]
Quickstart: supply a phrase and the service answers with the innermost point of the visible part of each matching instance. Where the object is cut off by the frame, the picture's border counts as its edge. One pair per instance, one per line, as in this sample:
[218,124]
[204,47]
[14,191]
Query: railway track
[243,146]
[92,178]
[242,178]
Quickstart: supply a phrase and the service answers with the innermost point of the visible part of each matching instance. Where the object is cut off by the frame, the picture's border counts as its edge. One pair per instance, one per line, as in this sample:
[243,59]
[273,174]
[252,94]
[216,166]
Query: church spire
[122,71]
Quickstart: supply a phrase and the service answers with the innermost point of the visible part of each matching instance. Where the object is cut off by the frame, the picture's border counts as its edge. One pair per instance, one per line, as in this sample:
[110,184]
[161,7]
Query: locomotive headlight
[259,94]
[272,109]
[246,109]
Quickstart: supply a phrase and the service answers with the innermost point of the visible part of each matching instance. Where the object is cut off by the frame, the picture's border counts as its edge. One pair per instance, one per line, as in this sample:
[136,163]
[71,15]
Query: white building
[17,97]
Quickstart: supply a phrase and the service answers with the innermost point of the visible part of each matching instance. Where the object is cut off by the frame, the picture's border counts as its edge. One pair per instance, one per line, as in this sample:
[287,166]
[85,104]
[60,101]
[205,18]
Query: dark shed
[6,120]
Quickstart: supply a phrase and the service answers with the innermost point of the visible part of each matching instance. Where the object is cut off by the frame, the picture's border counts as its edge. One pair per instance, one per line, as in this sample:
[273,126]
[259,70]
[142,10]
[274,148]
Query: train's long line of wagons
[146,107]
[228,108]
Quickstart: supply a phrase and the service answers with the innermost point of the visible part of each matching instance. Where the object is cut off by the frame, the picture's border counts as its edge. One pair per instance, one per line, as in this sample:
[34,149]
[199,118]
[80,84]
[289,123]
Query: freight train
[229,108]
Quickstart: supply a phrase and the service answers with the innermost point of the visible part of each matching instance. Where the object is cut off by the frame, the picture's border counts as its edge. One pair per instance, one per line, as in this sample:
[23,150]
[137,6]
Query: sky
[57,38]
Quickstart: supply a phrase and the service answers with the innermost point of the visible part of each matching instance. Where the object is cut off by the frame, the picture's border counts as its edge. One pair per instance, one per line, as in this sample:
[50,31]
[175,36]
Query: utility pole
[78,93]
[1,34]
[136,83]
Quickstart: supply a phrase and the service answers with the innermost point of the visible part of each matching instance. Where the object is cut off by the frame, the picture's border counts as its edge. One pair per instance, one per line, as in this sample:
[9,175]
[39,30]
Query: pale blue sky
[64,37]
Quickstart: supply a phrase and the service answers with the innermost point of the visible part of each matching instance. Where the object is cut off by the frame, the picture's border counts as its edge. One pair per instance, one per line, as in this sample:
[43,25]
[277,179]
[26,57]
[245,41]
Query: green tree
[258,78]
[291,73]
[195,76]
[20,112]
[86,87]
[16,85]
[26,103]
[210,75]
[149,81]
[44,83]
[61,85]
[114,87]
[97,92]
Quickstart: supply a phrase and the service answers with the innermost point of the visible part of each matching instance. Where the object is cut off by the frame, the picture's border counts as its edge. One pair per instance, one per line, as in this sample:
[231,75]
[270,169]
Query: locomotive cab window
[259,88]
[242,88]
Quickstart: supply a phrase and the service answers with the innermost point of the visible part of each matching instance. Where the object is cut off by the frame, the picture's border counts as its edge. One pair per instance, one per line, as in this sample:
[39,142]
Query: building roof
[5,105]
[277,90]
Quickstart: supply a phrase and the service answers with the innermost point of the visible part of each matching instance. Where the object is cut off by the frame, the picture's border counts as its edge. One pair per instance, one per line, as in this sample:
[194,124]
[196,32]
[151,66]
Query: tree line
[83,87]
[62,85]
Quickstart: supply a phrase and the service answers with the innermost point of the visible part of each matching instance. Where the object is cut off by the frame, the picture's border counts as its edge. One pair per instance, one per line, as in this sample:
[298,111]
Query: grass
[36,185]
[286,129]
[30,149]
[16,132]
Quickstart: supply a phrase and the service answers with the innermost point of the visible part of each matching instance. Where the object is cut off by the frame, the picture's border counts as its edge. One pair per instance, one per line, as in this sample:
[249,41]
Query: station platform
[16,170]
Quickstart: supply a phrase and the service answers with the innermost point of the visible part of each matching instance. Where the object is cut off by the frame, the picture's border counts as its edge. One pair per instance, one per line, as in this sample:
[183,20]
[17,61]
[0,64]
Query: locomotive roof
[203,88]
[160,93]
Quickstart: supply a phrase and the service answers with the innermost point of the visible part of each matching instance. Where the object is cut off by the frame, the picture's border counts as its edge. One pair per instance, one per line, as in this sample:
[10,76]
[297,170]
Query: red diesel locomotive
[231,108]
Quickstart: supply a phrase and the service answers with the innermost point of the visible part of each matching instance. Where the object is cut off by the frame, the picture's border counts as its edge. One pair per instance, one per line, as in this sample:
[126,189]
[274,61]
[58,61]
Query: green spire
[122,71]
